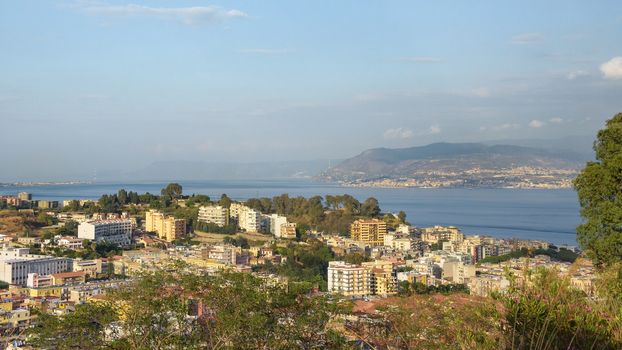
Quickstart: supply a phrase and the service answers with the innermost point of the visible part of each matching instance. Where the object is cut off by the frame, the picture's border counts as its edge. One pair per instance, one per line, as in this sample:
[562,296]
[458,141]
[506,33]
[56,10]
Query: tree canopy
[599,187]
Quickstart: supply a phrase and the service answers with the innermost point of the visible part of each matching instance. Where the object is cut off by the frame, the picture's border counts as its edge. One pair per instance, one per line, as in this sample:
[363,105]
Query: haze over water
[550,215]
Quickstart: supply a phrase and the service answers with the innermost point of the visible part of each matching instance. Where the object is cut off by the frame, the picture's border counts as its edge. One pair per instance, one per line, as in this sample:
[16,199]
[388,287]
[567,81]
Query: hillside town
[524,177]
[81,251]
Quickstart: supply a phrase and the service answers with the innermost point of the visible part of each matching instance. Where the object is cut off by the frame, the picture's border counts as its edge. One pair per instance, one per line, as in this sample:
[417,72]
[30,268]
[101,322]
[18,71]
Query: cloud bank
[193,15]
[612,69]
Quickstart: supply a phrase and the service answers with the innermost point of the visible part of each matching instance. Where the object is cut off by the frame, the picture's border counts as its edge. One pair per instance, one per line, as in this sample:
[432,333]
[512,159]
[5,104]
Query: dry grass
[15,224]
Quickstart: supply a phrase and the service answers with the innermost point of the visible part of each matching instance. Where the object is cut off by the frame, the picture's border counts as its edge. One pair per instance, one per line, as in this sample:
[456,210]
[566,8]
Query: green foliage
[237,241]
[438,245]
[505,257]
[600,197]
[370,207]
[233,311]
[186,241]
[420,288]
[83,329]
[225,201]
[109,203]
[198,199]
[402,216]
[560,255]
[172,191]
[213,228]
[305,263]
[69,229]
[355,258]
[91,250]
[46,219]
[546,312]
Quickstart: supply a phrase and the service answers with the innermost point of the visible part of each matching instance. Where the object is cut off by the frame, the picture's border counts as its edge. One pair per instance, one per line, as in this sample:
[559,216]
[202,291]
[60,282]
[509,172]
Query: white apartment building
[236,209]
[249,220]
[348,279]
[276,221]
[117,231]
[214,214]
[17,263]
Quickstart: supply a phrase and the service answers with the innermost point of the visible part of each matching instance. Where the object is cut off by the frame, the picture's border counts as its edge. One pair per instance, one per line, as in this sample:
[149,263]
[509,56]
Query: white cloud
[500,127]
[536,124]
[556,120]
[398,134]
[481,92]
[527,38]
[434,129]
[263,51]
[419,59]
[612,69]
[576,74]
[193,15]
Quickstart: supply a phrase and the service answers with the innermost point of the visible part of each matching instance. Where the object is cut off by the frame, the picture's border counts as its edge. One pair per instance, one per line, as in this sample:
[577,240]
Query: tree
[225,201]
[122,195]
[85,328]
[228,311]
[402,216]
[370,207]
[600,196]
[172,191]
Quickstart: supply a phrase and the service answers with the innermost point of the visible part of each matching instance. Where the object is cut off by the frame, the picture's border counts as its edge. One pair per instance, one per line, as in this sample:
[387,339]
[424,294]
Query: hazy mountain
[579,144]
[448,157]
[189,170]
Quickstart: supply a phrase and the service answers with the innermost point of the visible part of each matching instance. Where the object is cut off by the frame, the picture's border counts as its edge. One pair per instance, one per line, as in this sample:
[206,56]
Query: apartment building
[383,275]
[369,231]
[167,227]
[441,233]
[117,231]
[348,279]
[235,209]
[288,230]
[276,221]
[214,214]
[249,220]
[17,263]
[25,196]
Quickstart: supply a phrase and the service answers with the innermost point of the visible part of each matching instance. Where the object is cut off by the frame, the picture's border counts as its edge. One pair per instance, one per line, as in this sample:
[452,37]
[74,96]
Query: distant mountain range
[200,170]
[456,163]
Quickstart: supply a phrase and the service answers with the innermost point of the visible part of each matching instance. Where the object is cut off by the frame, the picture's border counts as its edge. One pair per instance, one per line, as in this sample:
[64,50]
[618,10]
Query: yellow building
[369,231]
[167,227]
[6,305]
[288,230]
[383,277]
[63,278]
[45,292]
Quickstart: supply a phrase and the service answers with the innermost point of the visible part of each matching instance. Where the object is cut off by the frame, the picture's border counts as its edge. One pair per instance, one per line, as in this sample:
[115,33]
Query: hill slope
[469,164]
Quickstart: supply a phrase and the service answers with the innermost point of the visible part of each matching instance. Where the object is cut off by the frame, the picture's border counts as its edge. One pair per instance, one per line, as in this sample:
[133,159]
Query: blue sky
[93,85]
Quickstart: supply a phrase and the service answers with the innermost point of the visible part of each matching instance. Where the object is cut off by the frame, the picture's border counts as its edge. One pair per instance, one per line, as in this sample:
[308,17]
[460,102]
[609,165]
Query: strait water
[550,215]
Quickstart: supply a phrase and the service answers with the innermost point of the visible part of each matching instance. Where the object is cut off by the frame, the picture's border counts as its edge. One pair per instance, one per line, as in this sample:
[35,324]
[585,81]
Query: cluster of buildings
[377,277]
[24,200]
[494,277]
[51,284]
[247,219]
[431,256]
[167,227]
